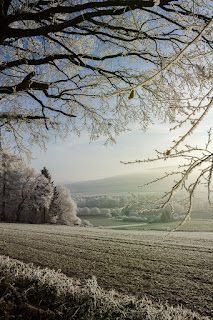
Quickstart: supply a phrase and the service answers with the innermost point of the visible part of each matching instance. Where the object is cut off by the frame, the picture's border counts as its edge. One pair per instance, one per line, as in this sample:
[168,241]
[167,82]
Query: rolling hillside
[123,183]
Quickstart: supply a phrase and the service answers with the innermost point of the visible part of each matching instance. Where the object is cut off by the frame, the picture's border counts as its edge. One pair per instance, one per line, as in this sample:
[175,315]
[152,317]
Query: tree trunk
[44,215]
[18,212]
[3,204]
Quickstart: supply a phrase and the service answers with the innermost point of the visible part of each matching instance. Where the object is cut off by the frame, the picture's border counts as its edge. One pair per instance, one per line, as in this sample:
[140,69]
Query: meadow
[176,270]
[100,221]
[197,225]
[188,226]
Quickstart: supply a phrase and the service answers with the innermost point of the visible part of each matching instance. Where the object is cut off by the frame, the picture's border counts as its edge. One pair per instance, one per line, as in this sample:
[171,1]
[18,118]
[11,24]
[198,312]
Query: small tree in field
[64,208]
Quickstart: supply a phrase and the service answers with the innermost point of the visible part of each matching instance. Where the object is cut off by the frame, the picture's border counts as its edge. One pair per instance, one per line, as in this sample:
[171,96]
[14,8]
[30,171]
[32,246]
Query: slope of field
[178,270]
[116,223]
[191,226]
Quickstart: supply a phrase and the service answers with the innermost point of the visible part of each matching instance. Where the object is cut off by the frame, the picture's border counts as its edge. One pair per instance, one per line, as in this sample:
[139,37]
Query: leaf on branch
[168,152]
[132,93]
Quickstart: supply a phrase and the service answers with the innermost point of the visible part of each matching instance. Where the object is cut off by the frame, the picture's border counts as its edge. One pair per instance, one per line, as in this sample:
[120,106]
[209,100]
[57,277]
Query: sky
[78,159]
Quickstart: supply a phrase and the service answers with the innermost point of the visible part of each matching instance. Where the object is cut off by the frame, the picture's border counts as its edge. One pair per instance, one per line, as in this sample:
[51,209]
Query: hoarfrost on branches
[70,66]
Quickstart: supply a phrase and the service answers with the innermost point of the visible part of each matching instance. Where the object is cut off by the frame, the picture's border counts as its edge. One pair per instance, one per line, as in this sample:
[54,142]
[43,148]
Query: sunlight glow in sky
[76,159]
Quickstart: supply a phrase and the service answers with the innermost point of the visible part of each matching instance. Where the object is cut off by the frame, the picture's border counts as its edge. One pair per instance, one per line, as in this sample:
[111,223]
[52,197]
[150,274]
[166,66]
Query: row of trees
[130,207]
[30,196]
[102,201]
[104,212]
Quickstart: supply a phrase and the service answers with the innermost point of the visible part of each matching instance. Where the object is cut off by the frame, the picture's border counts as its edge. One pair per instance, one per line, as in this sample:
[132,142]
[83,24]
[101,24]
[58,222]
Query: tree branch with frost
[170,64]
[195,171]
[194,126]
[62,59]
[26,84]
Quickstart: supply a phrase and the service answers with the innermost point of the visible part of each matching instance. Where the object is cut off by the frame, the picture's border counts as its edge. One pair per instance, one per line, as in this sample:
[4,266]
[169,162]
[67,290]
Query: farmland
[177,270]
[191,225]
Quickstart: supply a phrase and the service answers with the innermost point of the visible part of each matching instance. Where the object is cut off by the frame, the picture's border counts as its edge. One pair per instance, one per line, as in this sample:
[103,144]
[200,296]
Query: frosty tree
[17,182]
[41,196]
[12,171]
[29,196]
[101,65]
[64,208]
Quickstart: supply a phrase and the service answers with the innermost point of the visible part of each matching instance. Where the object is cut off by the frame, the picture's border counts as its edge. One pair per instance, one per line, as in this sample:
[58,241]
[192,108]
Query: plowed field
[178,270]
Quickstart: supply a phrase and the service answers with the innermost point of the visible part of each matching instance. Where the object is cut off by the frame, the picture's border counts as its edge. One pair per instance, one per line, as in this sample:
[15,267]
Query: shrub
[86,223]
[65,209]
[133,219]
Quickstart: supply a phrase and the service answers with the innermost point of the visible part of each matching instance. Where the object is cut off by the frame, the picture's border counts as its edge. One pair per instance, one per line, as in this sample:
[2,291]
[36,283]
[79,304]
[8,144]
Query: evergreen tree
[46,173]
[54,205]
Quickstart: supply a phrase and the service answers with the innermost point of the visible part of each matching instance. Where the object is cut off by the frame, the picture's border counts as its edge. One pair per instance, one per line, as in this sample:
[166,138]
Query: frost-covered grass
[105,222]
[190,226]
[29,292]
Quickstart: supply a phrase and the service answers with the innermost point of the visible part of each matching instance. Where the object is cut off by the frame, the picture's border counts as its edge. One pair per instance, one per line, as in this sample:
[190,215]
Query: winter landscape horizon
[106,160]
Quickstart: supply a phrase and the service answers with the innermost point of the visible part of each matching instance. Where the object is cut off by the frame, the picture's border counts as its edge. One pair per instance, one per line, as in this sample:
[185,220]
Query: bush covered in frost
[133,219]
[86,223]
[28,292]
[64,210]
[103,212]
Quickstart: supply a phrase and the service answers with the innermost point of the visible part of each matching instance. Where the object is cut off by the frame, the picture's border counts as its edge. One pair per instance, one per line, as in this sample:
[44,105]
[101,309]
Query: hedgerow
[32,293]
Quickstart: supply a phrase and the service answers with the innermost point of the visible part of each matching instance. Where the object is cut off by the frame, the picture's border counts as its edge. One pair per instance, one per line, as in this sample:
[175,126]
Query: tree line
[29,196]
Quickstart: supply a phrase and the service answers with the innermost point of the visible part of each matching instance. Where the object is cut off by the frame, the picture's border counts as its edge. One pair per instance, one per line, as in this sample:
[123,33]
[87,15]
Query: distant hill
[124,183]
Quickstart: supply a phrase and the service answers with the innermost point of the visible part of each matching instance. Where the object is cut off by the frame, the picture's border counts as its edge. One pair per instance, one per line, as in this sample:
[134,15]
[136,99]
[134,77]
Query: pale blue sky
[76,159]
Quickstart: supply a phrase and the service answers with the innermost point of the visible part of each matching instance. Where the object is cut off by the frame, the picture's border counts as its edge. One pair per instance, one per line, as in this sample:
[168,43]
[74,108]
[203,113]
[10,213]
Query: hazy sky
[76,159]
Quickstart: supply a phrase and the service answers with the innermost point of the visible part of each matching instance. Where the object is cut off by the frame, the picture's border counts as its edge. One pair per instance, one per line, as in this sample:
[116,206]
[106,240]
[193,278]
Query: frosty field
[178,270]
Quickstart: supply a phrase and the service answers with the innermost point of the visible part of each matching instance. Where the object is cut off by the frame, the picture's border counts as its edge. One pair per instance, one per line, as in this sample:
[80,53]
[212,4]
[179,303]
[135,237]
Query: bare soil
[178,270]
